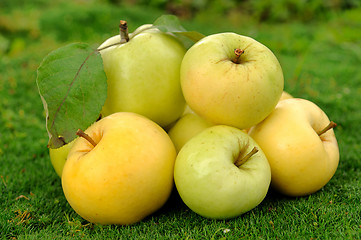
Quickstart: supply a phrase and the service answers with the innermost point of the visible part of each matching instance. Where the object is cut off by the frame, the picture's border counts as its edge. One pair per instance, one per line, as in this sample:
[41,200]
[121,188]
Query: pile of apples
[213,121]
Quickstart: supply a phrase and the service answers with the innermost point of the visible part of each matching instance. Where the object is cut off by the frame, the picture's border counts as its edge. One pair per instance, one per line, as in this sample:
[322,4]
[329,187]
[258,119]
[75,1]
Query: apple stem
[328,127]
[244,159]
[123,31]
[238,52]
[124,37]
[82,134]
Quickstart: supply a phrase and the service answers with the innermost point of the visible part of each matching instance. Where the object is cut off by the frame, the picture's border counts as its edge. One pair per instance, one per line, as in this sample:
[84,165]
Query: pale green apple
[143,75]
[231,79]
[126,176]
[58,157]
[219,174]
[302,160]
[187,127]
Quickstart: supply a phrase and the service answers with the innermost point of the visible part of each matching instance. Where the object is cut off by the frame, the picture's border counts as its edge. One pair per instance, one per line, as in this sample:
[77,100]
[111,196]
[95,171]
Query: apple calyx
[237,52]
[241,160]
[82,134]
[328,127]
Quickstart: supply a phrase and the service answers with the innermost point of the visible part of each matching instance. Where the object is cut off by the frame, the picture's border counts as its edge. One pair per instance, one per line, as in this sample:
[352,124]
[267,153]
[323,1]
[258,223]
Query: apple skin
[58,157]
[126,177]
[188,110]
[143,76]
[223,92]
[301,161]
[285,95]
[185,128]
[211,184]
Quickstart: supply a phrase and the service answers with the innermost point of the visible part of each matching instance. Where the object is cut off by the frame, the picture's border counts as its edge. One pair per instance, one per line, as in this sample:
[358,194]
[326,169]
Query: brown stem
[244,159]
[328,127]
[82,134]
[124,37]
[123,31]
[237,52]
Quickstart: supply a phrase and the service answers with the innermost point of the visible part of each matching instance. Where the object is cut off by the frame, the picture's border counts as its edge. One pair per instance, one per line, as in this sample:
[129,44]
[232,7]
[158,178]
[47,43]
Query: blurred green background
[290,28]
[318,44]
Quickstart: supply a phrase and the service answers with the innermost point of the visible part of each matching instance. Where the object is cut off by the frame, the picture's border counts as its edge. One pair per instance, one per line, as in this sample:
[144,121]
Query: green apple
[58,157]
[219,174]
[231,79]
[302,158]
[143,75]
[120,171]
[187,127]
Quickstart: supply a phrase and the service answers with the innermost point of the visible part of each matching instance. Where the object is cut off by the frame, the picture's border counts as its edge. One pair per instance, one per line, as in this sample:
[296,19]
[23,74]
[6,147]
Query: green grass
[321,62]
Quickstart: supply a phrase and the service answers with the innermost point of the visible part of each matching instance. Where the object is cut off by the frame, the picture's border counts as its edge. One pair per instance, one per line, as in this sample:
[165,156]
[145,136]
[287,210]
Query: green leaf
[188,38]
[73,87]
[171,24]
[192,35]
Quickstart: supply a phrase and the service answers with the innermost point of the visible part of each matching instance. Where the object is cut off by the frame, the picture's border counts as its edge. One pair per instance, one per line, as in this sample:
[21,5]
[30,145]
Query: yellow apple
[187,127]
[126,176]
[58,157]
[285,95]
[187,110]
[231,79]
[302,158]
